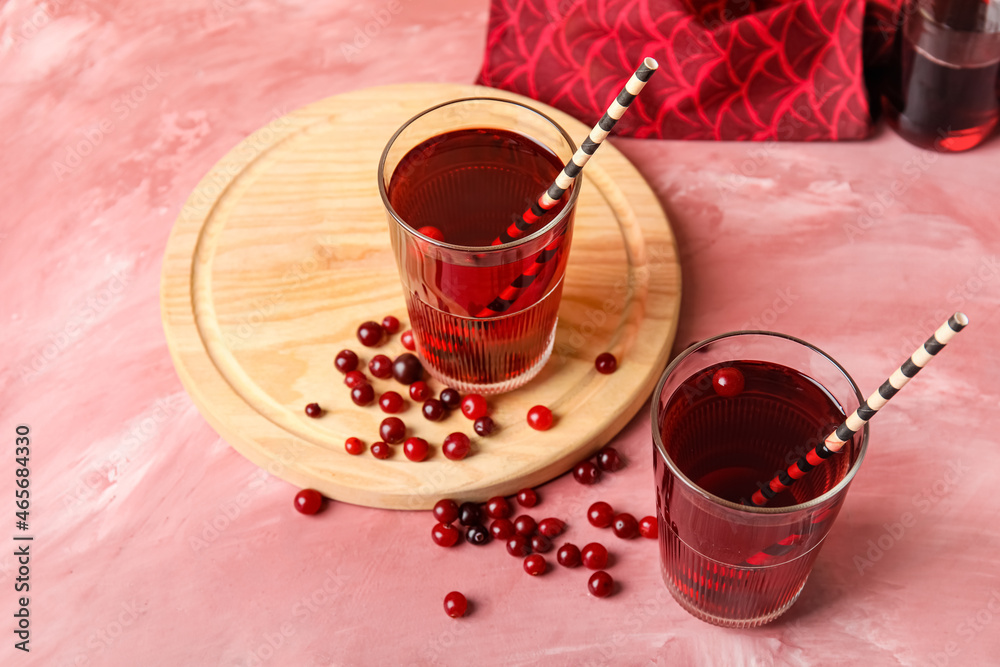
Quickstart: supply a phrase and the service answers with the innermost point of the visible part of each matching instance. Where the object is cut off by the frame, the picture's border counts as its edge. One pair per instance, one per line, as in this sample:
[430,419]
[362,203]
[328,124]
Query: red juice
[469,185]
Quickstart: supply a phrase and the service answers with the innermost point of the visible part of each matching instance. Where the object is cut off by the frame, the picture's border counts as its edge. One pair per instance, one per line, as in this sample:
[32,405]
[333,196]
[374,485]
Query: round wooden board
[283,249]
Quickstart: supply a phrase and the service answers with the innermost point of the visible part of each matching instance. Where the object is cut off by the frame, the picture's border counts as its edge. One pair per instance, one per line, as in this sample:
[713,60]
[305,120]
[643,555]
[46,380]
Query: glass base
[727,622]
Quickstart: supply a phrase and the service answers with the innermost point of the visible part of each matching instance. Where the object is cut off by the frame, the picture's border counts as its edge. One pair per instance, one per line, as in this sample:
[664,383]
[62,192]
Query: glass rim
[722,502]
[570,202]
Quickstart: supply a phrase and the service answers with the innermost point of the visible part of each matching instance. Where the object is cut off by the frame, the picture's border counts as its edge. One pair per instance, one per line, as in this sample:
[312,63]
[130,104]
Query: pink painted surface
[157,544]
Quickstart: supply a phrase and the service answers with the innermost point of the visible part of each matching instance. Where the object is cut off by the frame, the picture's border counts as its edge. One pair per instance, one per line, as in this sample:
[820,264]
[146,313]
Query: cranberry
[346,361]
[380,366]
[407,369]
[483,426]
[445,510]
[308,501]
[313,410]
[600,515]
[363,394]
[433,410]
[551,527]
[390,402]
[474,406]
[606,363]
[625,526]
[586,472]
[355,379]
[450,398]
[419,391]
[525,525]
[594,556]
[502,529]
[406,338]
[455,604]
[600,584]
[609,460]
[477,535]
[518,546]
[354,446]
[432,232]
[456,446]
[541,544]
[534,565]
[568,555]
[380,450]
[370,334]
[498,508]
[728,382]
[648,527]
[392,430]
[527,498]
[391,324]
[416,449]
[444,535]
[540,418]
[469,514]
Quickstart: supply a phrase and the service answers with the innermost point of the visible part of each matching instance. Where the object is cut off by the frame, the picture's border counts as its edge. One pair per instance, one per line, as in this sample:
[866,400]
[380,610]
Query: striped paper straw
[843,433]
[510,294]
[551,197]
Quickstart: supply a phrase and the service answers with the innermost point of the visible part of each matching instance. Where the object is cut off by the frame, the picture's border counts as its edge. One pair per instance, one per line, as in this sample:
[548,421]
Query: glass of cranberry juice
[726,562]
[452,179]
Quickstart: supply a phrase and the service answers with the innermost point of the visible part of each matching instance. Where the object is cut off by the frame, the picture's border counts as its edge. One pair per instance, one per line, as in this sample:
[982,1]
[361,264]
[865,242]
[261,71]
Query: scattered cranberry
[474,406]
[354,446]
[450,398]
[390,402]
[432,232]
[609,460]
[419,391]
[600,514]
[527,498]
[534,565]
[568,555]
[518,546]
[606,363]
[456,446]
[600,584]
[455,604]
[407,369]
[416,449]
[346,361]
[551,527]
[445,510]
[502,529]
[469,514]
[433,409]
[483,426]
[308,501]
[648,527]
[540,418]
[477,535]
[380,450]
[444,535]
[392,430]
[363,394]
[355,379]
[391,324]
[625,526]
[370,334]
[498,508]
[313,410]
[525,525]
[728,382]
[380,366]
[586,472]
[406,338]
[594,556]
[540,544]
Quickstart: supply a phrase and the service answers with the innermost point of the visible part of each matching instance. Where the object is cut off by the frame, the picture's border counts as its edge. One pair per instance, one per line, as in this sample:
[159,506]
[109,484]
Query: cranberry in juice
[469,185]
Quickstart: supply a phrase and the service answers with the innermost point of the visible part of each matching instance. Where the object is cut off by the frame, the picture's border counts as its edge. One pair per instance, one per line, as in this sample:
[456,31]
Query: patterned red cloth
[736,69]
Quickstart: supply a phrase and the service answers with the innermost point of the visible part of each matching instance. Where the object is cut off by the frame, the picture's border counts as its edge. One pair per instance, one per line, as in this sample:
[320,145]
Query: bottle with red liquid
[943,93]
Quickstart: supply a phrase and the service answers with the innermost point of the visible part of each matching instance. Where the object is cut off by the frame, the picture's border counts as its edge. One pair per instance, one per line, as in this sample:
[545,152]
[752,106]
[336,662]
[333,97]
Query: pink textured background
[860,248]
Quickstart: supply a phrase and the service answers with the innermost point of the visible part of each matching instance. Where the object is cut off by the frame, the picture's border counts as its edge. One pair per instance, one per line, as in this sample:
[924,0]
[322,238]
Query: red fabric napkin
[742,69]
